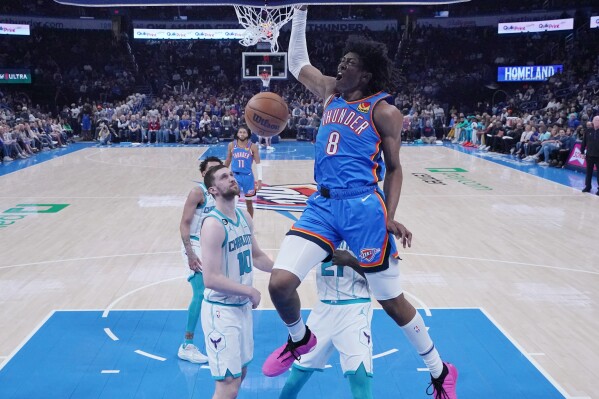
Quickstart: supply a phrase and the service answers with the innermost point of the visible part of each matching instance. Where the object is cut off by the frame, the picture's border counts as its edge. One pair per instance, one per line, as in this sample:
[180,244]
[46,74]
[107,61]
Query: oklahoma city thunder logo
[368,254]
[364,107]
[288,197]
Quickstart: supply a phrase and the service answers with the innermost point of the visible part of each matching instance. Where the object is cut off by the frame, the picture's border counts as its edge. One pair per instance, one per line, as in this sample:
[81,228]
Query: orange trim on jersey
[318,236]
[383,247]
[361,100]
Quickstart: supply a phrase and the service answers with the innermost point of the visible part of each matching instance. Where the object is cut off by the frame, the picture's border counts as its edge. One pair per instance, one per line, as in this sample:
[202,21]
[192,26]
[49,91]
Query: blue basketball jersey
[348,152]
[242,159]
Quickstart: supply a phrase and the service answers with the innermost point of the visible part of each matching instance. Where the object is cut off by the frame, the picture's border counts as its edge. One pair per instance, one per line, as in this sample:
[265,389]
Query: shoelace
[438,389]
[290,348]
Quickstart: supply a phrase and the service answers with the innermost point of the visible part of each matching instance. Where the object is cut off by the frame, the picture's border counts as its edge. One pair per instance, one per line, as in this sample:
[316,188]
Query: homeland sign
[528,73]
[550,25]
[15,76]
[14,29]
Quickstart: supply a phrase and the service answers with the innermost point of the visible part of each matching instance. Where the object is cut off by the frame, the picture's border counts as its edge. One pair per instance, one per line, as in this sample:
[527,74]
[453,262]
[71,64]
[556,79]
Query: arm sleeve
[298,50]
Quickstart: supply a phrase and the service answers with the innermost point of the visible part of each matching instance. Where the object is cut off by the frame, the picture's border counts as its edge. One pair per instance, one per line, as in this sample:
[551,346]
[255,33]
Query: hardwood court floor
[485,235]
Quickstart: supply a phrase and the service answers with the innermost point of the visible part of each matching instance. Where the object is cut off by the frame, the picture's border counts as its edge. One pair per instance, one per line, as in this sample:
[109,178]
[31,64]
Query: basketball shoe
[444,385]
[191,353]
[281,359]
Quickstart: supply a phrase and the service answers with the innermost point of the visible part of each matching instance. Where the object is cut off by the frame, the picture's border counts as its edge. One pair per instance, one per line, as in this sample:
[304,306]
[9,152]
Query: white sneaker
[269,148]
[543,164]
[191,353]
[7,159]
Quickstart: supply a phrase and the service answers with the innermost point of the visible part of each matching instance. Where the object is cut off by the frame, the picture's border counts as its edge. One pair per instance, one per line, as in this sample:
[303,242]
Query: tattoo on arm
[187,245]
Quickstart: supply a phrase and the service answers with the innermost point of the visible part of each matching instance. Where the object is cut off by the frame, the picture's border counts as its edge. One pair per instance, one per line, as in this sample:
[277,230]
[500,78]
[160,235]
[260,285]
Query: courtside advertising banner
[576,160]
[188,34]
[15,76]
[551,25]
[14,29]
[595,21]
[527,73]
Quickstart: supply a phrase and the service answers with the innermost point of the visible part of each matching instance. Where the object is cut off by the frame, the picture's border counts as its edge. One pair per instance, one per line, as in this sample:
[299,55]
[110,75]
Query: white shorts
[229,336]
[195,245]
[298,256]
[342,327]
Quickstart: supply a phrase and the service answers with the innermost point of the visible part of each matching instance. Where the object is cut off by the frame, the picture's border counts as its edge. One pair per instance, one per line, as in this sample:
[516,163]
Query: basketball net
[265,78]
[262,23]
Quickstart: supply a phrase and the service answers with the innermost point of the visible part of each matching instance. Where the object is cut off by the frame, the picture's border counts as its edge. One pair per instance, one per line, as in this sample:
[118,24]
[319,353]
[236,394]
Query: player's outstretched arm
[345,258]
[299,61]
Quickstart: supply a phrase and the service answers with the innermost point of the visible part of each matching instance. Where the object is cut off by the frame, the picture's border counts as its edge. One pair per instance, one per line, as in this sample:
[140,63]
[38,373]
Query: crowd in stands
[195,94]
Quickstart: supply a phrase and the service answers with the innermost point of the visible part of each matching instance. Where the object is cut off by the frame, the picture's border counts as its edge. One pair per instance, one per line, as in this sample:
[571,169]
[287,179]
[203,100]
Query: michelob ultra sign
[15,76]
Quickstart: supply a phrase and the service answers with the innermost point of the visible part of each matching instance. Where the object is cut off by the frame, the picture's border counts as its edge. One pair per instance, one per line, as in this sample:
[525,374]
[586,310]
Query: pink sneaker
[281,359]
[444,387]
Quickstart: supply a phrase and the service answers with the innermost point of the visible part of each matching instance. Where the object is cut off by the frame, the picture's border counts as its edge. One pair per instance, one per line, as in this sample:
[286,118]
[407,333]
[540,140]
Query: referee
[590,143]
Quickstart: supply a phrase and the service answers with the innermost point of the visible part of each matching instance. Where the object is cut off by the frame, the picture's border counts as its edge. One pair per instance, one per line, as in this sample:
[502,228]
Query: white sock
[297,330]
[418,336]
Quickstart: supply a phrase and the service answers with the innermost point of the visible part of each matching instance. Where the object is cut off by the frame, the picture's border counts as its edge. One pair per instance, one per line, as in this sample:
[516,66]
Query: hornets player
[241,154]
[341,320]
[358,129]
[197,206]
[230,252]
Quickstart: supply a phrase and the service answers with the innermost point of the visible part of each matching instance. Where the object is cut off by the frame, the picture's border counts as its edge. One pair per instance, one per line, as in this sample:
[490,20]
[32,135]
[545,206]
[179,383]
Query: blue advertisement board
[527,73]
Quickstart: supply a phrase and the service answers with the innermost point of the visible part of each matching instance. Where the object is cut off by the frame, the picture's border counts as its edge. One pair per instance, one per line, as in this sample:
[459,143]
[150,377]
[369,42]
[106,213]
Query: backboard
[257,3]
[253,64]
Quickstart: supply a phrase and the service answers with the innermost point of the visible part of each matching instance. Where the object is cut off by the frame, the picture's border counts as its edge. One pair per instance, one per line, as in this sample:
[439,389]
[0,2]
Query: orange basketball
[266,114]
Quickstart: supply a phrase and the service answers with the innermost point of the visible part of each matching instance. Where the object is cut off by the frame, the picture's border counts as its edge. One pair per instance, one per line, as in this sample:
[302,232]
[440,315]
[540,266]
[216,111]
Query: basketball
[266,114]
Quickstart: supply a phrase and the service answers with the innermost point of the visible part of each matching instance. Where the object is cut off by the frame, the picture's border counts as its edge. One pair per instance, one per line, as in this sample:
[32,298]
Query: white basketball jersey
[236,263]
[201,212]
[340,283]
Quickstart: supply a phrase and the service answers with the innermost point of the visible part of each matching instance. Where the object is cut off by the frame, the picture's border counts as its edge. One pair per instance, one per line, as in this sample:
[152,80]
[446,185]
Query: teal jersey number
[331,273]
[245,262]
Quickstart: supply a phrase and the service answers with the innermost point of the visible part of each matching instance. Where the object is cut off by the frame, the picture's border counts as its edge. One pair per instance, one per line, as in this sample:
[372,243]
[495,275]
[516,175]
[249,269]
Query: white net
[262,24]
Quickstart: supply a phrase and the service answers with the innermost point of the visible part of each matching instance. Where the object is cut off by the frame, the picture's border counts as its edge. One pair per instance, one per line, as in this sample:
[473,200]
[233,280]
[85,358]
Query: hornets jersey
[242,158]
[348,152]
[236,262]
[201,212]
[340,283]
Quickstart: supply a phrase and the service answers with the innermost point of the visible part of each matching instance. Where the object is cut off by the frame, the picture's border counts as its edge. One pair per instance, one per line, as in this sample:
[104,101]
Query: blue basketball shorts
[360,221]
[246,184]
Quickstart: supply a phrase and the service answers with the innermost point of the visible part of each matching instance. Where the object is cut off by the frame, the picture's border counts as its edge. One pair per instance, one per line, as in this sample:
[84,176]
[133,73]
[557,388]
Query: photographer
[104,133]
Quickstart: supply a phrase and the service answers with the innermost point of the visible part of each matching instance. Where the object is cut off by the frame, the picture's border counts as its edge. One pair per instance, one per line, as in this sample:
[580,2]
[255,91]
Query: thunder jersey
[340,283]
[348,152]
[201,212]
[236,262]
[242,159]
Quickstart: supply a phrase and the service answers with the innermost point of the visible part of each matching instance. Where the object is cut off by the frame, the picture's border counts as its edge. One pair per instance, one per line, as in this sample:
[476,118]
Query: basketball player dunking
[241,154]
[341,320]
[230,252]
[357,129]
[197,206]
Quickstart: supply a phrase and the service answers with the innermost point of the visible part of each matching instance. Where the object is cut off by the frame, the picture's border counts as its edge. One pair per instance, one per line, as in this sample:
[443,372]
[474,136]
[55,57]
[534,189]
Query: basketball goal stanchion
[262,23]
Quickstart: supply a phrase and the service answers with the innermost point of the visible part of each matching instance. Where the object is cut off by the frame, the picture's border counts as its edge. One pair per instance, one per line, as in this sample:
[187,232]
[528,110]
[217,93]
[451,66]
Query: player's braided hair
[374,60]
